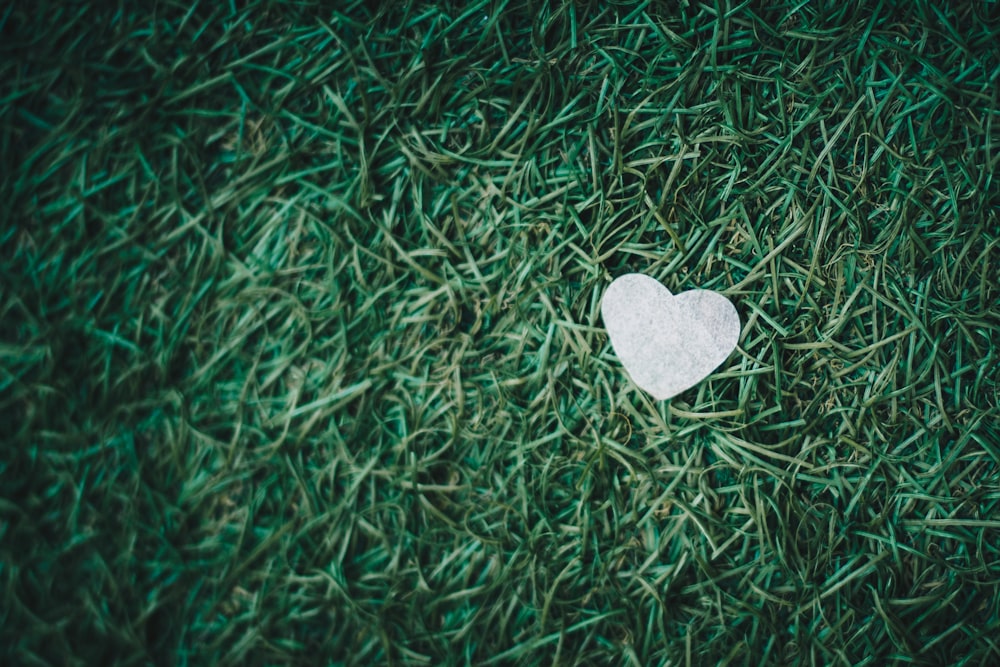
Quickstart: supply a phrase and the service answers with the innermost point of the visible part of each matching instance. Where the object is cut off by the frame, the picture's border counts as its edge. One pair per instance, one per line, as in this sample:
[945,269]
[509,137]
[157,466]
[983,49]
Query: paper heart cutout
[668,343]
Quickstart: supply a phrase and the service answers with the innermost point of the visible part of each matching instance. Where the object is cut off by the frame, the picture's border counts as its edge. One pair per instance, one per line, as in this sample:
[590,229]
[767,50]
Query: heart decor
[668,342]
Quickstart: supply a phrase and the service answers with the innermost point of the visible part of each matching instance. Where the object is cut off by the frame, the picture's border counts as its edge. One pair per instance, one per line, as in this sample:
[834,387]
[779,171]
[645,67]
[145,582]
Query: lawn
[302,362]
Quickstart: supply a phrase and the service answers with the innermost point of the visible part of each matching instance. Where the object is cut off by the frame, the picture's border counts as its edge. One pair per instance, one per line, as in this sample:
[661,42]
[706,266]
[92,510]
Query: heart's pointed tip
[664,393]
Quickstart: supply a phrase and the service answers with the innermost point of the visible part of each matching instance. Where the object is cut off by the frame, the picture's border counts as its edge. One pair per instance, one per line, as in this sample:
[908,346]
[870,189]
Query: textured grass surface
[301,359]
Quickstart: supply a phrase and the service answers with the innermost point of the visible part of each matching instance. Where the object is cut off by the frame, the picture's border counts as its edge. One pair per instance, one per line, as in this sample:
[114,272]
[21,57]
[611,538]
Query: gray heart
[668,343]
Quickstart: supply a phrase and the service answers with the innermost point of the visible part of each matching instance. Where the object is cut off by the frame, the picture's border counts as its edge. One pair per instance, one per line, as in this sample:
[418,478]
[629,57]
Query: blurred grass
[301,361]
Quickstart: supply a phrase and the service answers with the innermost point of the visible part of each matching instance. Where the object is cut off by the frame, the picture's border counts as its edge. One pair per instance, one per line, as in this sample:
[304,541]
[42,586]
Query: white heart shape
[668,343]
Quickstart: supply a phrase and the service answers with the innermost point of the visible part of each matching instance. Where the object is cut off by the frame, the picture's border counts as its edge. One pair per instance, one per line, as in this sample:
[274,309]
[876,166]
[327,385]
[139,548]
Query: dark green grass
[301,359]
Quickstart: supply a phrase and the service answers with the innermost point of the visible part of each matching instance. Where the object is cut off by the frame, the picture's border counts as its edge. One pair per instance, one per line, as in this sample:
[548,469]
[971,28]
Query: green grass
[301,359]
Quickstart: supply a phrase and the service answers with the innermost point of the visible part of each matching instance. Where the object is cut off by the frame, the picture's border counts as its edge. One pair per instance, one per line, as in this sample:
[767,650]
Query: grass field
[301,357]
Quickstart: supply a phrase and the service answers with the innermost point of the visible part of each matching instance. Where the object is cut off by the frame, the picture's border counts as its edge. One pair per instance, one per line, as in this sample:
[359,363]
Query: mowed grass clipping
[301,359]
